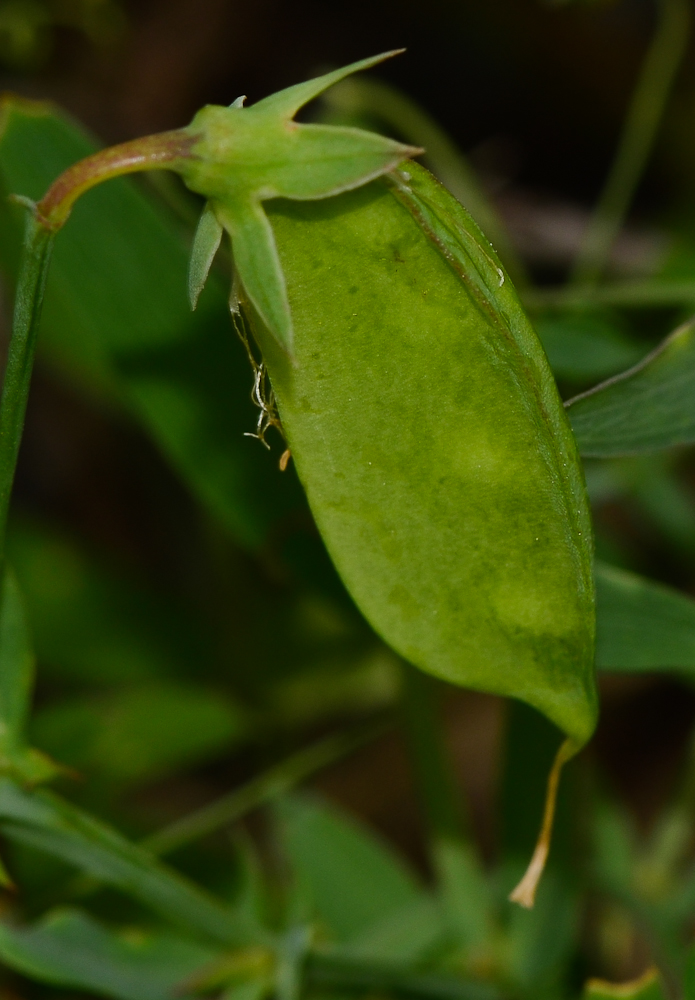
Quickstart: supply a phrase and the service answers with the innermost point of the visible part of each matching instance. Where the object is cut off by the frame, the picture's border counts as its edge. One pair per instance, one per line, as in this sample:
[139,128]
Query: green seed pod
[416,399]
[428,433]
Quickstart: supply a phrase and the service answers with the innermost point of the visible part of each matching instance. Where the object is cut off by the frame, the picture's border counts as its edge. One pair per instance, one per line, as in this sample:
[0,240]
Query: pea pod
[432,444]
[415,397]
[437,459]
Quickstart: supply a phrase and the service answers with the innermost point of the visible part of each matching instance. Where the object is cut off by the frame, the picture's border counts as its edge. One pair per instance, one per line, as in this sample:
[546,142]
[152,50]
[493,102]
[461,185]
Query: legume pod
[415,396]
[433,446]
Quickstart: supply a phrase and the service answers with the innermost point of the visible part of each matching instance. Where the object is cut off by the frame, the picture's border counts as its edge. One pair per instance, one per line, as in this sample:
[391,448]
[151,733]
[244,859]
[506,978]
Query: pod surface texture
[428,433]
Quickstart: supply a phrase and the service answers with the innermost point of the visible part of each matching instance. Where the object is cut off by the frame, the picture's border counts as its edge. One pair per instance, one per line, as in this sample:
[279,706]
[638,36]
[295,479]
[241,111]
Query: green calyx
[241,157]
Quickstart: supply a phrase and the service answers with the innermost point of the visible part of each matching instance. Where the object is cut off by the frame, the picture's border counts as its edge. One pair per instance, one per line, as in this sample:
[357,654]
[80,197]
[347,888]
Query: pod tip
[525,892]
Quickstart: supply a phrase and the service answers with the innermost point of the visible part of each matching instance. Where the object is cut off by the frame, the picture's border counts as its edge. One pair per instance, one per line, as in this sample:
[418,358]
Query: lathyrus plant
[407,381]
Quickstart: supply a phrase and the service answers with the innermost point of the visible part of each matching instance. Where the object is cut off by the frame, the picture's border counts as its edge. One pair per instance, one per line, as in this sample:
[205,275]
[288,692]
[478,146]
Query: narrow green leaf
[137,735]
[647,987]
[464,892]
[410,935]
[435,779]
[646,408]
[642,625]
[50,824]
[35,258]
[689,978]
[353,881]
[630,294]
[16,689]
[206,243]
[542,942]
[585,346]
[263,788]
[69,948]
[16,666]
[615,853]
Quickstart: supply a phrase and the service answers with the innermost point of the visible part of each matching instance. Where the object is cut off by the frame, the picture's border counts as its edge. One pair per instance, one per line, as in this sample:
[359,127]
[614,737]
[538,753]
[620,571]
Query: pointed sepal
[324,160]
[206,243]
[257,265]
[286,103]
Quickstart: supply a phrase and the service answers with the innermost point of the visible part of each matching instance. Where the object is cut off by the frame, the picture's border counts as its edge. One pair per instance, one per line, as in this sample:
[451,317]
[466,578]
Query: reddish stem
[151,152]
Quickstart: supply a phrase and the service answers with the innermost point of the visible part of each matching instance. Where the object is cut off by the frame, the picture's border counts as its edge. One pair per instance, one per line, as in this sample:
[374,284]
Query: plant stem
[258,791]
[435,780]
[45,219]
[637,139]
[152,152]
[31,285]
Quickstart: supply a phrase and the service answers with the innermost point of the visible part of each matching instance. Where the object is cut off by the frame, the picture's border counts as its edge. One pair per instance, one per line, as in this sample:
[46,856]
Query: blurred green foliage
[27,26]
[241,667]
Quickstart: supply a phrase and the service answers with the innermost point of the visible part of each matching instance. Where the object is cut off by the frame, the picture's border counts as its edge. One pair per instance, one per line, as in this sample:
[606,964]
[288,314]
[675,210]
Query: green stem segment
[644,115]
[152,152]
[46,218]
[38,244]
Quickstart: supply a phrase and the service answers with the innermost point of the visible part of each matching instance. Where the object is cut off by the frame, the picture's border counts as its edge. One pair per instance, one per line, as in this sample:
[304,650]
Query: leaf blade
[70,949]
[646,408]
[52,825]
[353,880]
[642,625]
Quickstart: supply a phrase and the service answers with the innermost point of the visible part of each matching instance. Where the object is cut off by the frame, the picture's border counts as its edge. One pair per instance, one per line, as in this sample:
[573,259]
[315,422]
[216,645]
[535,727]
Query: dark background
[543,87]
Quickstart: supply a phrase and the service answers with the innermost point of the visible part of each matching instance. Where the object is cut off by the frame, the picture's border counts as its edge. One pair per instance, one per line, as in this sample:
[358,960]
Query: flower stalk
[152,152]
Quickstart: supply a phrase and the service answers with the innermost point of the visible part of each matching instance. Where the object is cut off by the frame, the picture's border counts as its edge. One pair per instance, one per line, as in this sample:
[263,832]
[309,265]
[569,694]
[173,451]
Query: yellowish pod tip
[602,989]
[525,892]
